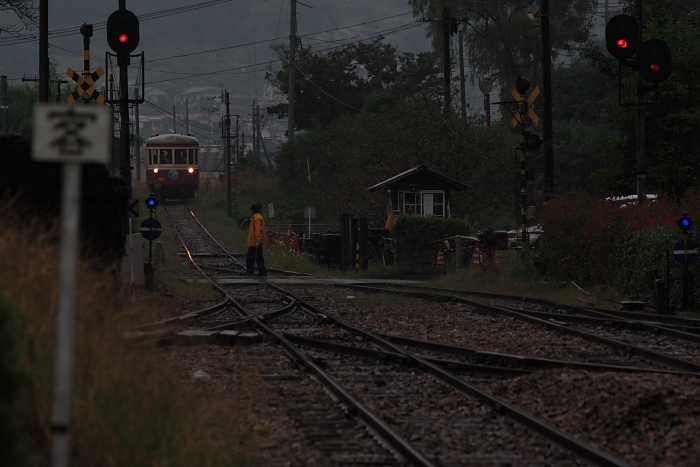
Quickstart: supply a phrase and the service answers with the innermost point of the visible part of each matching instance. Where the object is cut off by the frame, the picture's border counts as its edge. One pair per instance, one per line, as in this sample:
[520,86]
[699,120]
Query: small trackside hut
[419,191]
[172,166]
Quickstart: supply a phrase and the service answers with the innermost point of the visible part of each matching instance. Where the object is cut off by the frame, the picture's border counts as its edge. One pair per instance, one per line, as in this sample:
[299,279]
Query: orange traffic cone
[441,259]
[476,259]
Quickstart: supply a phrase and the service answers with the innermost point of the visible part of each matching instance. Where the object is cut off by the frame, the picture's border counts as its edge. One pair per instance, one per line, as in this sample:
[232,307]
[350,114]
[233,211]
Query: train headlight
[155,171]
[191,170]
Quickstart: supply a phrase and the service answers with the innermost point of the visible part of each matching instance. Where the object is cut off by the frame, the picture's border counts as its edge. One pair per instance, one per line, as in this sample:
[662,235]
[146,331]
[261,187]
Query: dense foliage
[599,241]
[332,168]
[14,443]
[413,235]
[364,77]
[501,39]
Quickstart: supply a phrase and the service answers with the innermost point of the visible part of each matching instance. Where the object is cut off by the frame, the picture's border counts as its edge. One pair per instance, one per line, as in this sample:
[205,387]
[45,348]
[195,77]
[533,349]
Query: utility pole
[174,122]
[137,143]
[227,122]
[292,70]
[187,116]
[446,56]
[256,150]
[641,121]
[86,31]
[547,131]
[44,51]
[58,89]
[461,76]
[4,105]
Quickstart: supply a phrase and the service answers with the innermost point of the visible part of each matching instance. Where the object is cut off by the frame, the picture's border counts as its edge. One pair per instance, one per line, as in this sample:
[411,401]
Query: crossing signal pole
[446,56]
[292,70]
[547,129]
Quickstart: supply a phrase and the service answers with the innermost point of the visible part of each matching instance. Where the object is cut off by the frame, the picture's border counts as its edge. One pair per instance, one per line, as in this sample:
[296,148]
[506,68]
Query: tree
[501,42]
[25,12]
[671,136]
[364,77]
[356,152]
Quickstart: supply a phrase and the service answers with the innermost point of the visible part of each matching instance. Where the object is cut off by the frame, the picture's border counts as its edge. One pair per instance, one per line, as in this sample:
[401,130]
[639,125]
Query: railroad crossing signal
[518,119]
[85,88]
[132,208]
[654,61]
[622,36]
[651,58]
[123,32]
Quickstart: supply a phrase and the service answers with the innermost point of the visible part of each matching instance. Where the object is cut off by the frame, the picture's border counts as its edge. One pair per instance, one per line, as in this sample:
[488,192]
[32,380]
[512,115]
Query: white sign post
[73,136]
[310,212]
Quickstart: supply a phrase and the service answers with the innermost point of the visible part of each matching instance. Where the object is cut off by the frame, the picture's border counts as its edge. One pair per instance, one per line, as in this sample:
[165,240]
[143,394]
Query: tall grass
[516,275]
[126,410]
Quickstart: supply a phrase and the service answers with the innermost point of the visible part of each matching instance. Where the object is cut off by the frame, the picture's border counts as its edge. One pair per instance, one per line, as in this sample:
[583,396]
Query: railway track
[409,397]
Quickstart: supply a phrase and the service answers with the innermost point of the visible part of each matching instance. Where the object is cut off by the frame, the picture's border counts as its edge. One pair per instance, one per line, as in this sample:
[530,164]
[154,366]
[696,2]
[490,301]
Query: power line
[74,30]
[271,62]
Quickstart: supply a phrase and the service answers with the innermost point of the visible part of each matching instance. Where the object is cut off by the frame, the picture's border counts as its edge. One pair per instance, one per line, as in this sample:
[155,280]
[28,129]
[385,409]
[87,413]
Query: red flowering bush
[599,241]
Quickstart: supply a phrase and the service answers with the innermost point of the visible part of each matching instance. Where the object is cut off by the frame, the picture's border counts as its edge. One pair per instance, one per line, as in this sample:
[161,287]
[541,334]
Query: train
[172,166]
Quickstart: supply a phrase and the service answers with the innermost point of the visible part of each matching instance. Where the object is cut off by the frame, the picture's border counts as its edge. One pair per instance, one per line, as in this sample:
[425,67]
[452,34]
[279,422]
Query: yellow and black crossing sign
[519,117]
[85,88]
[132,208]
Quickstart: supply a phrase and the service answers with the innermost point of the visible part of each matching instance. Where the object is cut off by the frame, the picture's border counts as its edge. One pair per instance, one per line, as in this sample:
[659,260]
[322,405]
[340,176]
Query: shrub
[597,241]
[13,440]
[413,235]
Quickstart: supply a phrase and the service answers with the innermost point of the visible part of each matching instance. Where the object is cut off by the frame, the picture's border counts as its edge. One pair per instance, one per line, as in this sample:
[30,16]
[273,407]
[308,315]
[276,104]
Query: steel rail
[382,429]
[385,431]
[550,432]
[400,359]
[519,360]
[658,357]
[604,319]
[672,320]
[231,255]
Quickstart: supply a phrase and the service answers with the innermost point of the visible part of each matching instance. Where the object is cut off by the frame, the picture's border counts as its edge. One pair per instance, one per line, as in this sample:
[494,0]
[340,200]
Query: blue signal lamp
[151,201]
[685,222]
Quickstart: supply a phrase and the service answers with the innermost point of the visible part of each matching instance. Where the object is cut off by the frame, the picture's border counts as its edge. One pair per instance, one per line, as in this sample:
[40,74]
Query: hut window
[422,203]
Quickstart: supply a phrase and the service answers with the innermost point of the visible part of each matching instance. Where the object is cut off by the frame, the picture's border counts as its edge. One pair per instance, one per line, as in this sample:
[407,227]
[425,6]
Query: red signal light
[123,37]
[623,43]
[655,67]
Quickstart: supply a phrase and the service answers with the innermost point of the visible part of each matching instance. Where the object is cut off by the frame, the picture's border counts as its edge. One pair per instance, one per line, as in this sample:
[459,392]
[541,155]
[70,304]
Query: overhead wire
[269,63]
[74,30]
[190,124]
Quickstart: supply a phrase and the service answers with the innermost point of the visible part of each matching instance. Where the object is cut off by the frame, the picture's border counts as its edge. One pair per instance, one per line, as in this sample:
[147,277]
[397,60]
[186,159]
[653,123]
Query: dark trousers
[252,258]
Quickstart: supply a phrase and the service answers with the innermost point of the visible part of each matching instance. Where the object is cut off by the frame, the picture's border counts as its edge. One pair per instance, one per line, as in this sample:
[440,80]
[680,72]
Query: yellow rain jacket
[258,231]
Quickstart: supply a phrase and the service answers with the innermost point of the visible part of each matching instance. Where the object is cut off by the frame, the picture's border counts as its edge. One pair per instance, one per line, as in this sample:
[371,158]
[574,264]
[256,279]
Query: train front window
[193,156]
[181,156]
[166,156]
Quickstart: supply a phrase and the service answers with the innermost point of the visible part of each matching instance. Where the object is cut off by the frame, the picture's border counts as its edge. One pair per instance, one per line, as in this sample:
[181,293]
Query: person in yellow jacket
[257,239]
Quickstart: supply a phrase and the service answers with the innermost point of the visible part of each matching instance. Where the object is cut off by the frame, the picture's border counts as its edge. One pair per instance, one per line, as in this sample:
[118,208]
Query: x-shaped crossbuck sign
[85,86]
[518,119]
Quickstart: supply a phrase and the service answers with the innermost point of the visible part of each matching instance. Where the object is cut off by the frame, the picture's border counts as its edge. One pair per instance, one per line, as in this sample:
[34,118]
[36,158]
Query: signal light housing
[151,201]
[622,36]
[685,222]
[123,32]
[654,61]
[522,84]
[533,142]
